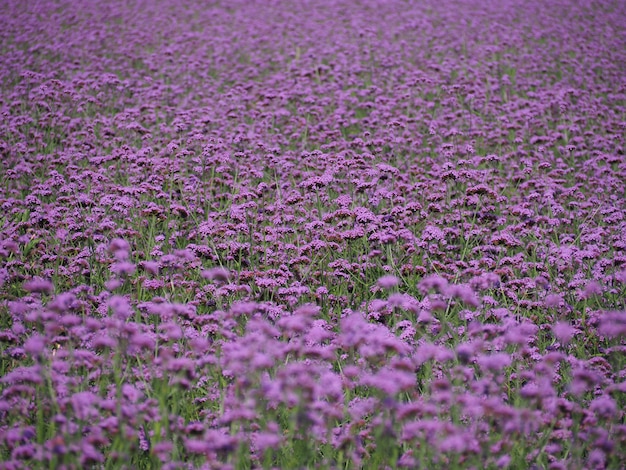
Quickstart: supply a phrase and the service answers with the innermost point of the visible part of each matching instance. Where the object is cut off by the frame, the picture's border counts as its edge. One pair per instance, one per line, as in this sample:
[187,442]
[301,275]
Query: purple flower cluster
[313,234]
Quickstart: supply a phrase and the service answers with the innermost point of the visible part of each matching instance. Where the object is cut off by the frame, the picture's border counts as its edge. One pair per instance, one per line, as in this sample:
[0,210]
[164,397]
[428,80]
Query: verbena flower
[564,332]
[35,345]
[388,282]
[40,286]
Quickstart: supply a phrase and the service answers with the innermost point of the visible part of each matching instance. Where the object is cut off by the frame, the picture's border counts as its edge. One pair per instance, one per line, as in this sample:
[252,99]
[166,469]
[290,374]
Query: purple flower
[596,460]
[583,380]
[84,404]
[294,323]
[120,307]
[89,454]
[181,364]
[39,286]
[604,406]
[553,300]
[592,288]
[197,446]
[388,282]
[564,332]
[151,266]
[266,440]
[243,308]
[494,362]
[503,461]
[464,293]
[144,341]
[112,284]
[23,452]
[35,345]
[23,375]
[456,443]
[435,282]
[613,324]
[171,331]
[216,274]
[464,353]
[199,345]
[131,393]
[390,381]
[123,268]
[162,450]
[119,248]
[104,342]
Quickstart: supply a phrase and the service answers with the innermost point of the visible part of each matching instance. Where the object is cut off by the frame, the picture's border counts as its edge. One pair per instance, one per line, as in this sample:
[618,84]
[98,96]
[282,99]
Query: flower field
[313,234]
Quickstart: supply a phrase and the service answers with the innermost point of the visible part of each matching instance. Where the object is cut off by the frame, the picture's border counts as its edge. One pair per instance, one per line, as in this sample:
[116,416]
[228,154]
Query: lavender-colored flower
[553,300]
[151,266]
[171,331]
[112,284]
[390,381]
[120,307]
[494,362]
[564,332]
[119,248]
[592,288]
[266,440]
[31,374]
[243,308]
[388,282]
[216,274]
[131,393]
[84,405]
[503,461]
[596,459]
[123,268]
[435,282]
[40,286]
[464,293]
[35,345]
[604,406]
[613,324]
[89,454]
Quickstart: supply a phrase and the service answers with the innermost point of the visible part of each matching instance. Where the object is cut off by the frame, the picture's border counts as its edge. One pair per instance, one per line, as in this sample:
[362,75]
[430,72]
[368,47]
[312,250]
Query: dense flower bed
[313,234]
